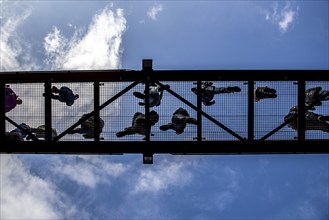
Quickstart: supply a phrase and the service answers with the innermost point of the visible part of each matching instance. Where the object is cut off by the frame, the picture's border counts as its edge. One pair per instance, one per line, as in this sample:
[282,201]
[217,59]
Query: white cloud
[88,170]
[54,41]
[99,48]
[25,196]
[11,45]
[283,17]
[160,177]
[154,11]
[286,20]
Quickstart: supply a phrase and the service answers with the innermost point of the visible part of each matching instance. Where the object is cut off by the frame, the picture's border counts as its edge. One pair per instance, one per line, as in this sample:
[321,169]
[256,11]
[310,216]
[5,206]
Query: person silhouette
[11,99]
[313,121]
[155,94]
[208,92]
[314,96]
[263,92]
[65,94]
[179,121]
[87,127]
[138,125]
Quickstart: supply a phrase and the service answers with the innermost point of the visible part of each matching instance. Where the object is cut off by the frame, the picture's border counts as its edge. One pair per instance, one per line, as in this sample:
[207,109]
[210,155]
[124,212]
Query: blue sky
[54,35]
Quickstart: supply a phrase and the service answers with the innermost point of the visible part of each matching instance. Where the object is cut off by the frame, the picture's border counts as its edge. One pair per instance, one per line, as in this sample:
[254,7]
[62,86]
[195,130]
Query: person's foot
[234,89]
[165,87]
[139,95]
[54,89]
[323,118]
[120,134]
[71,132]
[320,118]
[209,103]
[164,127]
[195,90]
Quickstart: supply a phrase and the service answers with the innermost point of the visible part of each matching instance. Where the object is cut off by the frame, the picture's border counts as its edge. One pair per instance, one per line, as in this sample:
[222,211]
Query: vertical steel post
[2,112]
[96,110]
[301,110]
[251,109]
[48,126]
[199,115]
[147,69]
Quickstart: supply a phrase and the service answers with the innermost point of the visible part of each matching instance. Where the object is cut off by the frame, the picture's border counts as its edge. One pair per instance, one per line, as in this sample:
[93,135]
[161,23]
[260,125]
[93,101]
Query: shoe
[320,118]
[139,95]
[54,89]
[234,89]
[166,87]
[120,134]
[323,118]
[209,103]
[195,90]
[164,127]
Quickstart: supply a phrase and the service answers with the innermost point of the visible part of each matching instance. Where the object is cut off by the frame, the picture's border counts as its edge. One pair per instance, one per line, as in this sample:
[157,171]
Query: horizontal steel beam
[162,75]
[165,147]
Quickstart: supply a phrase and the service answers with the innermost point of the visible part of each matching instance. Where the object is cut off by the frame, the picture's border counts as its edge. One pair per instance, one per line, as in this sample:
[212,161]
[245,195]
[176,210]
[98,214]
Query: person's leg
[120,134]
[126,131]
[232,89]
[191,120]
[76,131]
[324,94]
[166,127]
[229,89]
[53,96]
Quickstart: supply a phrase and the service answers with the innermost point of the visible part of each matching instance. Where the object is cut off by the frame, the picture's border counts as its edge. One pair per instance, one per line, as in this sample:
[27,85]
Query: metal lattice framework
[148,147]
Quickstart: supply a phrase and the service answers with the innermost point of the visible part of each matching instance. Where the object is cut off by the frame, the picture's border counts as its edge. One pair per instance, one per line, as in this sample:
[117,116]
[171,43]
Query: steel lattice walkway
[234,125]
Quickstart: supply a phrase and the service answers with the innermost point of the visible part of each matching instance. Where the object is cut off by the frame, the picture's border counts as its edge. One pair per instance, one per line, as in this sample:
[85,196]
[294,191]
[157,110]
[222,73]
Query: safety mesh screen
[229,110]
[118,113]
[31,111]
[316,129]
[64,115]
[269,113]
[169,105]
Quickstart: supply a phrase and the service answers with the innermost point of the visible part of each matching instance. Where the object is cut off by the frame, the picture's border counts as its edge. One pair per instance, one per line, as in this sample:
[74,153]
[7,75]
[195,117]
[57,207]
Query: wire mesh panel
[177,120]
[317,127]
[31,111]
[270,110]
[66,112]
[118,114]
[228,107]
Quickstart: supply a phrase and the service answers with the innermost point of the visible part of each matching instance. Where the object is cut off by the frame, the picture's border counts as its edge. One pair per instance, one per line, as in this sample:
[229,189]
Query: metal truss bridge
[235,124]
